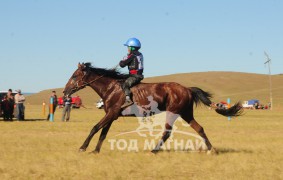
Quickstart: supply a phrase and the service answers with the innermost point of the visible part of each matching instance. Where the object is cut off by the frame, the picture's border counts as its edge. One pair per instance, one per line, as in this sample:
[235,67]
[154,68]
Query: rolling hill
[235,85]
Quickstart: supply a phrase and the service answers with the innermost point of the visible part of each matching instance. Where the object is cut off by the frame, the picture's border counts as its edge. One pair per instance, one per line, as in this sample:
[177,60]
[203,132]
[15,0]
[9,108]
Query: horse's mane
[113,73]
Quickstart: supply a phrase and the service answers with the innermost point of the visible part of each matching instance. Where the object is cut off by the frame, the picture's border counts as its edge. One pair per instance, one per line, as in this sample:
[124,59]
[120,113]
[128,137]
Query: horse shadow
[220,151]
[28,120]
[230,151]
[35,120]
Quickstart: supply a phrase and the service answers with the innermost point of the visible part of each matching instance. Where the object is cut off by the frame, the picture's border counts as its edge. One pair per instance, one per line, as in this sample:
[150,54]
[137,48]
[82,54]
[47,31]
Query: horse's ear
[81,66]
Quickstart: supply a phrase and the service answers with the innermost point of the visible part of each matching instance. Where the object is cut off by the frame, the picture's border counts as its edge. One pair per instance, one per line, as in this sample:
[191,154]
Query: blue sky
[41,42]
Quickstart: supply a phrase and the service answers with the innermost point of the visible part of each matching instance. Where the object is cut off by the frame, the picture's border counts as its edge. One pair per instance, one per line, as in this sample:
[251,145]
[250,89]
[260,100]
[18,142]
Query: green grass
[249,147]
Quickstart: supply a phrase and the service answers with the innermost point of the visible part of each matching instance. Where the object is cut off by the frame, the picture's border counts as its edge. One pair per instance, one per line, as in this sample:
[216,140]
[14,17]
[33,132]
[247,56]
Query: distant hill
[235,85]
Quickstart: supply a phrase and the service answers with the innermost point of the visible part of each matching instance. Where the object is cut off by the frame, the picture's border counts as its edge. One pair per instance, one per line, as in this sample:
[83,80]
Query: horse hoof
[212,151]
[154,151]
[94,152]
[82,150]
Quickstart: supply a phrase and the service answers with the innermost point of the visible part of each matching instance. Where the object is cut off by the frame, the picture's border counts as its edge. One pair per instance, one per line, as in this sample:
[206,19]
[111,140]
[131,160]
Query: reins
[86,83]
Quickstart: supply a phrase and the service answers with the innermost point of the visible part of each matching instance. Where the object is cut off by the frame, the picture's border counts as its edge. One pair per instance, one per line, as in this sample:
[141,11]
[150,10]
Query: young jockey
[134,61]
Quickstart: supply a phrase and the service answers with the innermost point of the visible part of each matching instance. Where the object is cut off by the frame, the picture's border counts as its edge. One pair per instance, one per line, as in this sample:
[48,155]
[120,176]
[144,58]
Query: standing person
[55,103]
[134,61]
[19,100]
[11,101]
[67,102]
[5,108]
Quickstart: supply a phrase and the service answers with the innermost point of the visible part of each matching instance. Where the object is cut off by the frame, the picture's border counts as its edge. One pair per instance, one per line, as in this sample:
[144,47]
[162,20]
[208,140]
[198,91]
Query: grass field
[250,147]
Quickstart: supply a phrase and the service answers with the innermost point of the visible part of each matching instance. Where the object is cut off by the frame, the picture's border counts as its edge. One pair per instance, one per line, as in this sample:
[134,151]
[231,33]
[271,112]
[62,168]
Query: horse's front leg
[102,123]
[102,137]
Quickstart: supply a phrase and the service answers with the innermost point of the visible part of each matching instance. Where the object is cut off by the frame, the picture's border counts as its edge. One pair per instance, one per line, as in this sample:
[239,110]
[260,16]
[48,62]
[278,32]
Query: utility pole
[270,82]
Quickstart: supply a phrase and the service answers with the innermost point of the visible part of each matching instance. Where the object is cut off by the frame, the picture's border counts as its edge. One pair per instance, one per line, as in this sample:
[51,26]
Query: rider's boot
[128,102]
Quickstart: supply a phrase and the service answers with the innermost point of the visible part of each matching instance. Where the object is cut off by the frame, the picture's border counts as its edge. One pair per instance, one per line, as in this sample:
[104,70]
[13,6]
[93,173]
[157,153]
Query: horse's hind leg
[166,135]
[189,118]
[199,129]
[170,119]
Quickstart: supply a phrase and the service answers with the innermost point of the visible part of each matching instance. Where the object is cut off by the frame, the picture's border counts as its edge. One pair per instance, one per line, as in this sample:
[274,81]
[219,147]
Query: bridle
[84,83]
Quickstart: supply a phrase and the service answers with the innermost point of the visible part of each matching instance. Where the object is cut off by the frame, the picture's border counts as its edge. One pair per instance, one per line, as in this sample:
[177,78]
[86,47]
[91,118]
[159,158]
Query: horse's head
[77,80]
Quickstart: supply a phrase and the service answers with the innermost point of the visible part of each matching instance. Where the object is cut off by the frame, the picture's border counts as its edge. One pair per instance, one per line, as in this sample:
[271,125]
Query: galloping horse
[171,97]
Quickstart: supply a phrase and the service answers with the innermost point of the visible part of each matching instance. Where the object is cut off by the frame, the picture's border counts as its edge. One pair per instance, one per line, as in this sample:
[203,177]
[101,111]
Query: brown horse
[171,97]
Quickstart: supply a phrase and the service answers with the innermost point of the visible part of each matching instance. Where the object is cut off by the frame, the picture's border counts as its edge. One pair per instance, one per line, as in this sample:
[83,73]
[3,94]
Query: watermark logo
[151,128]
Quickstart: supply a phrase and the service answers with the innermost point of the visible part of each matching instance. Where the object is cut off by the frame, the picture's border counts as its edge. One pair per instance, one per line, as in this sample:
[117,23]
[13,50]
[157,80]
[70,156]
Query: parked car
[100,104]
[250,103]
[76,102]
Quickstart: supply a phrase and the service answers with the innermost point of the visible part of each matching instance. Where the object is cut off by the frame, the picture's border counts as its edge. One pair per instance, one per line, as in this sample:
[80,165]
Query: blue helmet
[133,42]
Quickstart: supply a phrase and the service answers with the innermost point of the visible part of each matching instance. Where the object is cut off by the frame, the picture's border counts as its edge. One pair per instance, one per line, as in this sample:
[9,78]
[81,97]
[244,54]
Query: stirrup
[127,103]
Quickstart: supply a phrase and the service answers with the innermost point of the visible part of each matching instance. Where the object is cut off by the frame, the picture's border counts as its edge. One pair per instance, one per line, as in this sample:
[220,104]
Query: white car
[100,104]
[250,103]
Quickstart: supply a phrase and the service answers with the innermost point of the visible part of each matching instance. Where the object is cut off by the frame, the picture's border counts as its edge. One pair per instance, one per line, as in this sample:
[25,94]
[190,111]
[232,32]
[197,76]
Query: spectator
[55,103]
[269,105]
[19,100]
[11,101]
[67,102]
[5,108]
[256,105]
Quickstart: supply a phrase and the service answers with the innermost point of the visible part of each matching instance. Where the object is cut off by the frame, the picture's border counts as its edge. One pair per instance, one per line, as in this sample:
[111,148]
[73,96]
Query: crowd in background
[67,104]
[12,105]
[10,102]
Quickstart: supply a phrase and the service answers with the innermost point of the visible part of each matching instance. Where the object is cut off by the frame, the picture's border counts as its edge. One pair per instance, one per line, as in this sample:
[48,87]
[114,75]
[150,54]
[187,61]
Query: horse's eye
[74,78]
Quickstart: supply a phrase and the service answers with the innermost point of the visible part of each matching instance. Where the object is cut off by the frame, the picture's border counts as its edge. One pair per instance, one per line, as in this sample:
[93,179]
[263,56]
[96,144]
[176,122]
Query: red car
[76,102]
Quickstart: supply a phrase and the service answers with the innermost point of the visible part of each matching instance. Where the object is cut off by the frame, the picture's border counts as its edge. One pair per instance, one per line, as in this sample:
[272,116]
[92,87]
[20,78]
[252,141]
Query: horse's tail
[198,96]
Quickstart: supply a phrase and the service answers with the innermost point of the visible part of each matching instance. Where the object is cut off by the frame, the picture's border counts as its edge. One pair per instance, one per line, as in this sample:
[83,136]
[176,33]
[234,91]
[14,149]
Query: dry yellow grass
[250,147]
